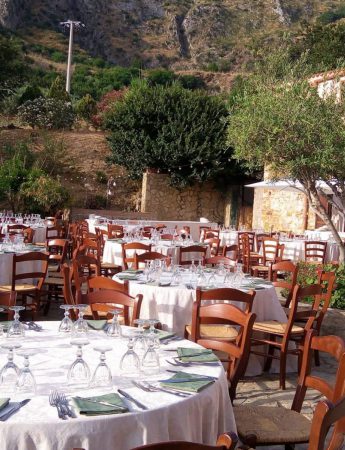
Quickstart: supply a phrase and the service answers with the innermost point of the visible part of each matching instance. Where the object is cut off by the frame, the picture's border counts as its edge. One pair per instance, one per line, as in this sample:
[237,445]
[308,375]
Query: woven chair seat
[19,287]
[272,425]
[273,326]
[220,332]
[109,266]
[260,268]
[54,281]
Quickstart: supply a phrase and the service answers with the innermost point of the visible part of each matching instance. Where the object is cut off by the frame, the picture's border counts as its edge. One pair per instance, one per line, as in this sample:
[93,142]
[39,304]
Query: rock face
[189,33]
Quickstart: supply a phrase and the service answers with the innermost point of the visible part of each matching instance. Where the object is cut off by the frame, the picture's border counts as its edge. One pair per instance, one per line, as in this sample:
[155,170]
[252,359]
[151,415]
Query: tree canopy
[171,129]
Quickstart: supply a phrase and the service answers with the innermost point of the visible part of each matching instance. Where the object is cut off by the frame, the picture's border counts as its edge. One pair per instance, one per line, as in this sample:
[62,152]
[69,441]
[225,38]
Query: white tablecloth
[36,426]
[194,226]
[113,251]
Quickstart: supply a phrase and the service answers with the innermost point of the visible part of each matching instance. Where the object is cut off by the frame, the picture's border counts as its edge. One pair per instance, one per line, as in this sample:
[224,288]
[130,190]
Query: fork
[64,404]
[145,386]
[53,400]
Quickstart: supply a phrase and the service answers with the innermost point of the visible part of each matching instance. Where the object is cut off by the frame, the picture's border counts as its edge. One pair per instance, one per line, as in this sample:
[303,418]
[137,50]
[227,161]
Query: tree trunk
[319,209]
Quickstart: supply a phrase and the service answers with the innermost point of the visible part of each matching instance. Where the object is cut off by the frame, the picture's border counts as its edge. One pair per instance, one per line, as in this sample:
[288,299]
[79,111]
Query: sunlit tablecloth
[36,426]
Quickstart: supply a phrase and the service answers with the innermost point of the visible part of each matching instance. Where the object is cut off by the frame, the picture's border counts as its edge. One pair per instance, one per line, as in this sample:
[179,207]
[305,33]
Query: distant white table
[200,417]
[170,224]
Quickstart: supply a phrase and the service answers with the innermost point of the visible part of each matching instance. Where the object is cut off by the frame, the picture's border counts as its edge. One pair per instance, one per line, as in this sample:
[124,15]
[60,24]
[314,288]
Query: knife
[14,409]
[130,398]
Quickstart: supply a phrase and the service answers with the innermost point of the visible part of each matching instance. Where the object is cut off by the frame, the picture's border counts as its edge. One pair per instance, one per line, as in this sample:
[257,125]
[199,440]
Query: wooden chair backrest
[8,299]
[84,267]
[225,295]
[101,282]
[166,237]
[150,256]
[251,237]
[335,347]
[315,251]
[270,249]
[202,232]
[133,246]
[55,232]
[327,281]
[106,299]
[289,281]
[259,238]
[57,249]
[37,276]
[202,250]
[214,244]
[233,250]
[211,233]
[15,227]
[244,251]
[226,441]
[28,234]
[215,260]
[238,351]
[325,415]
[115,231]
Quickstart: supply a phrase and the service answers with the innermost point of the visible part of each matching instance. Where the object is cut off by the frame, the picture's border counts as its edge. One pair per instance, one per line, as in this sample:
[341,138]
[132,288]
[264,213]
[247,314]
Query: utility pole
[70,24]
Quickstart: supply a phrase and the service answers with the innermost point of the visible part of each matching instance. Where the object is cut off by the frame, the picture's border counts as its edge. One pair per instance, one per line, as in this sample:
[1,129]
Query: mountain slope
[180,33]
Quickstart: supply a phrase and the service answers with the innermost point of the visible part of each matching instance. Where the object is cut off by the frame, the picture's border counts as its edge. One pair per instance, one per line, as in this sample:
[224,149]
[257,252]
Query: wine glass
[130,362]
[80,325]
[114,329]
[150,363]
[26,381]
[140,341]
[79,372]
[102,374]
[9,373]
[16,329]
[152,332]
[66,324]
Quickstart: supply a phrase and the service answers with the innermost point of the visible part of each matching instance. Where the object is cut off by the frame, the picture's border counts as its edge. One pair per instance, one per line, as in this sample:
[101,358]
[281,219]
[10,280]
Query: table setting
[68,385]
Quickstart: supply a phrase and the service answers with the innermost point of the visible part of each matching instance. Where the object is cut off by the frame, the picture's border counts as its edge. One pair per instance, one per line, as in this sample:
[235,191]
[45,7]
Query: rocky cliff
[184,33]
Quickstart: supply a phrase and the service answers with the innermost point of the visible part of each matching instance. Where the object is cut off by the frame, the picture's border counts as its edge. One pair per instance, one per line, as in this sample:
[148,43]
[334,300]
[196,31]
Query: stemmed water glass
[79,372]
[140,341]
[26,381]
[150,363]
[114,329]
[16,329]
[66,324]
[152,332]
[80,325]
[102,374]
[9,373]
[130,362]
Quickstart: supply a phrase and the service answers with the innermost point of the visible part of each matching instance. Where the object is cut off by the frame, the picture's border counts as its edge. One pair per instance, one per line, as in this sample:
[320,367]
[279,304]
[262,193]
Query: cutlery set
[14,407]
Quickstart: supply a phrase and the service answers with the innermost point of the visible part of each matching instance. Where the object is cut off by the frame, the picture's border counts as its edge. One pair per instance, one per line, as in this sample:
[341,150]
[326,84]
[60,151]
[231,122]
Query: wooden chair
[68,289]
[263,425]
[84,267]
[259,237]
[211,234]
[215,329]
[270,248]
[93,247]
[28,234]
[198,249]
[226,441]
[231,251]
[327,414]
[101,282]
[237,349]
[214,244]
[251,237]
[315,251]
[280,334]
[150,256]
[105,300]
[115,231]
[8,299]
[30,282]
[214,261]
[16,228]
[283,275]
[183,231]
[160,226]
[202,231]
[166,237]
[56,232]
[246,256]
[129,250]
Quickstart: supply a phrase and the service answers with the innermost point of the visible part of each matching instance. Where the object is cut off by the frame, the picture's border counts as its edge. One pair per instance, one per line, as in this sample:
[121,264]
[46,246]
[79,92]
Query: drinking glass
[79,372]
[140,341]
[130,362]
[1,326]
[26,381]
[9,373]
[80,325]
[152,333]
[16,329]
[114,329]
[102,374]
[66,324]
[150,363]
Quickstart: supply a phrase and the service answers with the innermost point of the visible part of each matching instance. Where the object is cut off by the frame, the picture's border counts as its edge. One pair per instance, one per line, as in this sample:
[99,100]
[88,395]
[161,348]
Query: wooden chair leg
[282,374]
[317,358]
[270,353]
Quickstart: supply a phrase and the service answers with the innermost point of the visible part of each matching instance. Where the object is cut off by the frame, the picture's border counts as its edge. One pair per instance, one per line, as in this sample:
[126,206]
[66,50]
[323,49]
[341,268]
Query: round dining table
[200,417]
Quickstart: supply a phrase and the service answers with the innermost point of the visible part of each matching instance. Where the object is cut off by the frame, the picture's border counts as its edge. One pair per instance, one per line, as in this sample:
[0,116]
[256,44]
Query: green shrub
[32,91]
[86,107]
[101,177]
[161,77]
[191,82]
[58,90]
[57,56]
[49,113]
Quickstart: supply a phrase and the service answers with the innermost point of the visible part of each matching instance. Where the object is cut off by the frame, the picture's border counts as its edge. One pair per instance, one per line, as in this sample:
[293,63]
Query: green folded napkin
[127,276]
[162,334]
[97,324]
[89,408]
[188,386]
[196,355]
[119,241]
[3,402]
